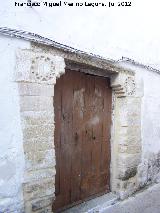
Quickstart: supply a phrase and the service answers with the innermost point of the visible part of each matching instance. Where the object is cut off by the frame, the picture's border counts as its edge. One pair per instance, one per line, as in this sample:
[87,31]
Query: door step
[94,205]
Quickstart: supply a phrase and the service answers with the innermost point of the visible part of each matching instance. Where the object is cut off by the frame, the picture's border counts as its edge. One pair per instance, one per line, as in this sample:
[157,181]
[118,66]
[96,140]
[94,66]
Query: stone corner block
[36,67]
[123,84]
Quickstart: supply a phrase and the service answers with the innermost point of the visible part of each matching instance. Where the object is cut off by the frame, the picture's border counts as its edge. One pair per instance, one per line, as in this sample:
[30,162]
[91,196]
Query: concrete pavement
[146,201]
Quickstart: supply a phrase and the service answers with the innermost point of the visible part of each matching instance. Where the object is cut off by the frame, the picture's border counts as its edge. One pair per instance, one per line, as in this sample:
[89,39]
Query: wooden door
[82,137]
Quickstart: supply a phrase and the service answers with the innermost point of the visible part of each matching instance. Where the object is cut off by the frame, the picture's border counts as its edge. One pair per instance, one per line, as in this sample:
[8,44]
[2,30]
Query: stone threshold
[97,204]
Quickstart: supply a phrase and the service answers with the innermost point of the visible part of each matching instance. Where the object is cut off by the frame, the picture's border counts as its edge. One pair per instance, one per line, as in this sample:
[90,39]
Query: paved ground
[147,201]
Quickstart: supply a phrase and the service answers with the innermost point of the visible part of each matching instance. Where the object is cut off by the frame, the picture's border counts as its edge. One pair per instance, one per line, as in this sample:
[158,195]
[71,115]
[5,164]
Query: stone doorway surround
[36,72]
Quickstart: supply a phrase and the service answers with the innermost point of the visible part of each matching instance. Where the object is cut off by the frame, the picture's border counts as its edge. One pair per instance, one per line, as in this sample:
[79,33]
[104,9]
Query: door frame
[36,81]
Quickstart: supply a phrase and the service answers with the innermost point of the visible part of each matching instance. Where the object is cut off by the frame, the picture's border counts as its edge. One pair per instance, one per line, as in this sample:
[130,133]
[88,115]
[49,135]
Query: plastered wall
[110,32]
[11,148]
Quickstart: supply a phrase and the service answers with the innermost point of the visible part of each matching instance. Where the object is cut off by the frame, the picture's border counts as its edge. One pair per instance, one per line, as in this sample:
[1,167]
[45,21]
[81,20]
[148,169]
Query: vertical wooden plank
[66,138]
[57,140]
[87,142]
[57,134]
[97,118]
[63,135]
[105,162]
[78,130]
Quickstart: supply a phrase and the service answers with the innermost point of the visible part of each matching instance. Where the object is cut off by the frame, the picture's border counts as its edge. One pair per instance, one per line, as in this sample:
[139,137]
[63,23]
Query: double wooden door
[82,105]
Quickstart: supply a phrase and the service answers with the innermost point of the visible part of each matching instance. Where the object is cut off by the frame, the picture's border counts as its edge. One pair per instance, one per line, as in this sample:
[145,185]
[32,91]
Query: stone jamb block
[40,174]
[36,103]
[39,189]
[35,89]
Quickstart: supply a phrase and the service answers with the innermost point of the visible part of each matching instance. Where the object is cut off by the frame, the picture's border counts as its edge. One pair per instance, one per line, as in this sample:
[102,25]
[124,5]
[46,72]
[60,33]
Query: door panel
[82,105]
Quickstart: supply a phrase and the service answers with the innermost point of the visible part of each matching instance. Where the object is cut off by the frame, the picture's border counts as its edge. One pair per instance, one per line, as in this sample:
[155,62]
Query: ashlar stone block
[39,189]
[36,103]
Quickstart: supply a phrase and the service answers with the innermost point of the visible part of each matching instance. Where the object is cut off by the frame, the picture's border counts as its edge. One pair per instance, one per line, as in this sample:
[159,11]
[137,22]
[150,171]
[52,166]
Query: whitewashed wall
[111,33]
[151,112]
[11,149]
[150,168]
